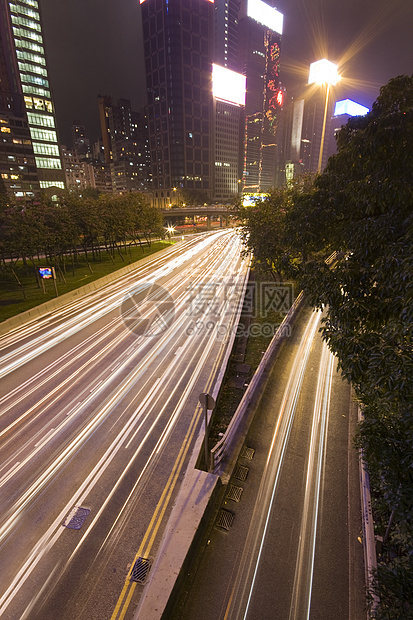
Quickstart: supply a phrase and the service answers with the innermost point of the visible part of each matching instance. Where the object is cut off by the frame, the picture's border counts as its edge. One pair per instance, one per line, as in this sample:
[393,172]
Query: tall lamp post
[323,72]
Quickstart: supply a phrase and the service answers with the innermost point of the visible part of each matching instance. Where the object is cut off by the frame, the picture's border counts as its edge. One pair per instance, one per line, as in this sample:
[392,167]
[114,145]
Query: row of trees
[362,207]
[79,223]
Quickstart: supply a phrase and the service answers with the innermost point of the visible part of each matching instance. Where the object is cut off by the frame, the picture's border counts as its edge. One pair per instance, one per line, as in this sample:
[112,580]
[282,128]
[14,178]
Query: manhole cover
[76,517]
[225,519]
[247,453]
[234,492]
[140,570]
[241,472]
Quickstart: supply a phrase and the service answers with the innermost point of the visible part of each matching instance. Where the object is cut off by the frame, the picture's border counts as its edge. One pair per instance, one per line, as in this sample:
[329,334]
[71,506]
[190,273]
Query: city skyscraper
[260,29]
[201,140]
[29,98]
[178,40]
[226,14]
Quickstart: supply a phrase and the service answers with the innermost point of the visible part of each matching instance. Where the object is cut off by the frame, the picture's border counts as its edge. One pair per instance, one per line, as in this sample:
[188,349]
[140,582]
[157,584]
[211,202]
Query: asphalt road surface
[287,545]
[99,414]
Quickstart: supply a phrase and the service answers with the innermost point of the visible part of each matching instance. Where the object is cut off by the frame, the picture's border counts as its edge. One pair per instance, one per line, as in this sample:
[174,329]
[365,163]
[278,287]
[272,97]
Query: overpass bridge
[198,216]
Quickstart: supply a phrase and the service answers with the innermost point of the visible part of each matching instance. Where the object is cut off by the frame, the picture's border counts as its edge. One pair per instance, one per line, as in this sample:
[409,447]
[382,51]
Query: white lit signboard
[266,15]
[228,85]
[347,106]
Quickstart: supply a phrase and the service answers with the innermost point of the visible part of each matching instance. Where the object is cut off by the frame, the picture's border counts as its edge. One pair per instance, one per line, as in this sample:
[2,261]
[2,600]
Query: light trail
[130,393]
[303,578]
[21,355]
[241,593]
[241,598]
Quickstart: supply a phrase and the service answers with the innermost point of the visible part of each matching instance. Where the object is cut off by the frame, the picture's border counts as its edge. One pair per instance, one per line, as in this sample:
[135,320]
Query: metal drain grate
[247,453]
[76,518]
[225,519]
[234,492]
[140,570]
[241,472]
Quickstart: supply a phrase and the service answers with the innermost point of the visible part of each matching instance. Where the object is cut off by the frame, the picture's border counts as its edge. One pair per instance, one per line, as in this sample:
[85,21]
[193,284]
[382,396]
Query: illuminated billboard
[266,15]
[228,85]
[347,106]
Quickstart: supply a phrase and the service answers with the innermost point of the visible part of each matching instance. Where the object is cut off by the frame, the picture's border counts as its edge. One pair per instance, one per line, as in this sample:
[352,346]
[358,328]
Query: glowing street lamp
[323,72]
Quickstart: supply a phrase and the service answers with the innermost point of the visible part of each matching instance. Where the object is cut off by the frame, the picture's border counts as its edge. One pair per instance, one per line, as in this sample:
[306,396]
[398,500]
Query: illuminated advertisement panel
[347,106]
[266,15]
[275,94]
[228,85]
[249,200]
[46,272]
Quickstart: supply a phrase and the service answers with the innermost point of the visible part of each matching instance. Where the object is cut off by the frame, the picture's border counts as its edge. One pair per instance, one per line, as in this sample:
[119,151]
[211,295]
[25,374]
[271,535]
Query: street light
[323,72]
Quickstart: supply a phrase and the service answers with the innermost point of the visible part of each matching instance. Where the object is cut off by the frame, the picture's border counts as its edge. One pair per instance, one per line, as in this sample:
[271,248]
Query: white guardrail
[221,448]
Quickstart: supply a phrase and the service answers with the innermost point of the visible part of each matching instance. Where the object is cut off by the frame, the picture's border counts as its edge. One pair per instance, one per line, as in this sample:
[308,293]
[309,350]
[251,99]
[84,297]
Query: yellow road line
[160,510]
[161,506]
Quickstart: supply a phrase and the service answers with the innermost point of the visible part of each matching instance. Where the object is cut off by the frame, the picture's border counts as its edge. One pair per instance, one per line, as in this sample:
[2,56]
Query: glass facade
[178,55]
[30,69]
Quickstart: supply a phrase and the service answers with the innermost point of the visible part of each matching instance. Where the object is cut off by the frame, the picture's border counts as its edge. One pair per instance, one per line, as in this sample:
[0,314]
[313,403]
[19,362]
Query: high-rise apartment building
[28,99]
[125,144]
[80,141]
[178,43]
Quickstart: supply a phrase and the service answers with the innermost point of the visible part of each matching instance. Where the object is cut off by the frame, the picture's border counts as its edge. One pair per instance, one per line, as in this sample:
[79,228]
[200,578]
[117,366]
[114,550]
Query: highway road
[99,414]
[290,550]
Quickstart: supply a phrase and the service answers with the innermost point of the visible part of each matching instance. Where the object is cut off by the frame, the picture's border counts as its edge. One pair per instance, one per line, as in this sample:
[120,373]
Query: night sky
[94,48]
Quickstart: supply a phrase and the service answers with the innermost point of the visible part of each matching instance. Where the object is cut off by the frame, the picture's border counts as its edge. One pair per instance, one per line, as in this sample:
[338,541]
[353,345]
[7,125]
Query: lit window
[29,34]
[45,184]
[36,90]
[45,149]
[40,119]
[45,135]
[5,129]
[45,162]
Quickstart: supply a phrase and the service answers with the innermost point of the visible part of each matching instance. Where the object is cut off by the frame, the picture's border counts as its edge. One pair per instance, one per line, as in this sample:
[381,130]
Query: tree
[263,231]
[4,198]
[363,202]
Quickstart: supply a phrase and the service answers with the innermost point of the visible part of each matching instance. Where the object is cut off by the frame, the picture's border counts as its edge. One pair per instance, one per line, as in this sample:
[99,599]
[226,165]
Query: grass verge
[15,298]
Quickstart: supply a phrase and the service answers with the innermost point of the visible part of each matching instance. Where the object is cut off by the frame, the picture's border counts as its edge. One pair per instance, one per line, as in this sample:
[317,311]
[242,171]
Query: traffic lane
[88,386]
[49,377]
[42,325]
[274,581]
[332,591]
[70,575]
[43,365]
[47,332]
[209,590]
[68,477]
[87,390]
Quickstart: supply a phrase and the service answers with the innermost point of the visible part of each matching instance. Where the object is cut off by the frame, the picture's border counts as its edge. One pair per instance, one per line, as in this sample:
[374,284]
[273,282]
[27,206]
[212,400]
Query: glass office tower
[30,95]
[178,40]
